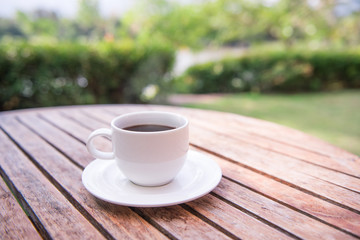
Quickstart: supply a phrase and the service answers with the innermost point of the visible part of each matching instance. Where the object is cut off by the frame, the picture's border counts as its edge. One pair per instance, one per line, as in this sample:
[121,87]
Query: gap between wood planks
[25,206]
[208,221]
[352,190]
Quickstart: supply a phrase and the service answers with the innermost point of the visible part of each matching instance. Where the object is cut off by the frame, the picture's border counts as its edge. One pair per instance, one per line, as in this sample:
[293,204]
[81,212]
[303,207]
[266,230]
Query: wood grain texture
[278,214]
[291,197]
[14,222]
[182,224]
[116,221]
[234,220]
[263,226]
[278,166]
[329,212]
[69,146]
[278,183]
[50,211]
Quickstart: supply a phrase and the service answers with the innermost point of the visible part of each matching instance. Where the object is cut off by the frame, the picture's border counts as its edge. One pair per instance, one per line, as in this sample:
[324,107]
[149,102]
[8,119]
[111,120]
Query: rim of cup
[183,125]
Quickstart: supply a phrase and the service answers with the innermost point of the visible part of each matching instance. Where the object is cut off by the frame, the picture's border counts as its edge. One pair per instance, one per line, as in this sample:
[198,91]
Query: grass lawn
[331,116]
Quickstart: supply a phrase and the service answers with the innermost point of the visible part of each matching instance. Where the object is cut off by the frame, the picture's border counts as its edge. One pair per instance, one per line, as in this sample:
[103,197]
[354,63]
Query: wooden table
[278,183]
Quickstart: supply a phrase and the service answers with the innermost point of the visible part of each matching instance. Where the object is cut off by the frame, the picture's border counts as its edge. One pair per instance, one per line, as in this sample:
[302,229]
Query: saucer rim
[197,194]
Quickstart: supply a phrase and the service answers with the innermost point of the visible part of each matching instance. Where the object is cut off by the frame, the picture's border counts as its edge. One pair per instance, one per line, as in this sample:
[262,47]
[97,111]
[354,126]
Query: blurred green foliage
[34,75]
[285,71]
[205,23]
[47,60]
[199,24]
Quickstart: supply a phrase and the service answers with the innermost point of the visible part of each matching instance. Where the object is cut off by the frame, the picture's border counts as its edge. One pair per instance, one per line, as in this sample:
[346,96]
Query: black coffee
[148,128]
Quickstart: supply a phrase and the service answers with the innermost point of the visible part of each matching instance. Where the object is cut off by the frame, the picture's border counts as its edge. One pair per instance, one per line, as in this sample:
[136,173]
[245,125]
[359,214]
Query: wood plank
[235,221]
[278,214]
[114,221]
[61,140]
[83,120]
[14,222]
[105,114]
[64,123]
[183,225]
[292,197]
[75,129]
[50,211]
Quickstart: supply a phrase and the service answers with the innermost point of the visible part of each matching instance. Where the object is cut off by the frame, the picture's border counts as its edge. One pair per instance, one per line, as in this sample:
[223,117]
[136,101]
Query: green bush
[284,71]
[33,75]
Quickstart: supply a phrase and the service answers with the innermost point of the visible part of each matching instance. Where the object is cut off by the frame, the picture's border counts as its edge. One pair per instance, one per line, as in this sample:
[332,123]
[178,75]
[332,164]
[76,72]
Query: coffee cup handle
[102,132]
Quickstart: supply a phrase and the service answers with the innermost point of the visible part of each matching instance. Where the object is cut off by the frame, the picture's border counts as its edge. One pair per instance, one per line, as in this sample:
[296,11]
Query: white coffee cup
[147,158]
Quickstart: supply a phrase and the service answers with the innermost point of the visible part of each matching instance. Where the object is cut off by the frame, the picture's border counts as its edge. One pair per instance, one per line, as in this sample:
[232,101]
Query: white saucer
[199,176]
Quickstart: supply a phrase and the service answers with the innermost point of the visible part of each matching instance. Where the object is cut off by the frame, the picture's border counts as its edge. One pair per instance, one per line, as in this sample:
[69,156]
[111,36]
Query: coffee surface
[148,128]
